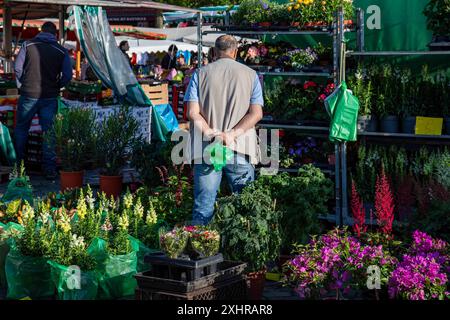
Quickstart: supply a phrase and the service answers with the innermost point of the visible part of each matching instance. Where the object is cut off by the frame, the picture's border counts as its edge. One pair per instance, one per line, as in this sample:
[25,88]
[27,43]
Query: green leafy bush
[249,225]
[300,199]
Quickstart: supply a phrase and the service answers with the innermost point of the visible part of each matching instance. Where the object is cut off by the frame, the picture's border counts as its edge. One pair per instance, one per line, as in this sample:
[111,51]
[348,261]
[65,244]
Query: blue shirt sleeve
[257,95]
[191,94]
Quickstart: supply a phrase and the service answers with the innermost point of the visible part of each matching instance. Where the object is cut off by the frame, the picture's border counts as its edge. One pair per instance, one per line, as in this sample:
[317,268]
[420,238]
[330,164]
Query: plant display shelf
[337,32]
[394,53]
[269,32]
[405,138]
[381,137]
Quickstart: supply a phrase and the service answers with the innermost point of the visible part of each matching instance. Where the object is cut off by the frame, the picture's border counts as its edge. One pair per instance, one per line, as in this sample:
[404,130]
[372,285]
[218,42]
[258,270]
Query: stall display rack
[337,33]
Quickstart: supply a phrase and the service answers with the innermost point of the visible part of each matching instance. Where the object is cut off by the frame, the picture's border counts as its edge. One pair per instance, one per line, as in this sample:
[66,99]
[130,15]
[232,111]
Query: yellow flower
[81,206]
[289,8]
[296,6]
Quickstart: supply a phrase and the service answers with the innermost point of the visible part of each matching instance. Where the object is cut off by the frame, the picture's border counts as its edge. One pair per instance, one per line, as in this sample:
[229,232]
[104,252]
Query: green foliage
[251,12]
[436,221]
[146,157]
[173,200]
[362,90]
[198,3]
[249,226]
[438,17]
[300,199]
[116,136]
[73,132]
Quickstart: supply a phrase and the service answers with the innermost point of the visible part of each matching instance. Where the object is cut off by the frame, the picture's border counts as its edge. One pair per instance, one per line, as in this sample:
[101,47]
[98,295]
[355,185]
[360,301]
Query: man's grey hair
[226,43]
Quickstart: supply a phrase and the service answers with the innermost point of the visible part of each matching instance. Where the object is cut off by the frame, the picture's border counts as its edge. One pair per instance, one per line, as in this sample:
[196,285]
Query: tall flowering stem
[384,204]
[358,211]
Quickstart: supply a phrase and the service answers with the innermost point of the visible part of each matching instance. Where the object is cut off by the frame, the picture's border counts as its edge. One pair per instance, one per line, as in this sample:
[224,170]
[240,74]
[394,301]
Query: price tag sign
[429,126]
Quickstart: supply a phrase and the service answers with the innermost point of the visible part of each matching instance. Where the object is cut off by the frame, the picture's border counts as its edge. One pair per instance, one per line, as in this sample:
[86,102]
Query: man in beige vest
[224,102]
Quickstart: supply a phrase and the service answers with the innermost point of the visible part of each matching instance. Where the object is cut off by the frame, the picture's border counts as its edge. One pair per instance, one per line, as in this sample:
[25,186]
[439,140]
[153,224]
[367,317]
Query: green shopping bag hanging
[219,155]
[343,108]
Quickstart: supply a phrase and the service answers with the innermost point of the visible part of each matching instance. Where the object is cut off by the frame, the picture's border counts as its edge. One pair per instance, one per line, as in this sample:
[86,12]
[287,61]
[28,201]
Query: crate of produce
[157,93]
[182,269]
[226,270]
[85,87]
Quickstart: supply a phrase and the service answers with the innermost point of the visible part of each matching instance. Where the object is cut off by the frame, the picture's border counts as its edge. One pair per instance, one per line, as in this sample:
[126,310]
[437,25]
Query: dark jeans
[26,109]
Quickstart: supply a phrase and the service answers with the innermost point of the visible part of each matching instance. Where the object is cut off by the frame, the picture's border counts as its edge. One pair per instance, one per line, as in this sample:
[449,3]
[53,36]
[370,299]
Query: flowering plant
[174,242]
[301,58]
[422,274]
[335,261]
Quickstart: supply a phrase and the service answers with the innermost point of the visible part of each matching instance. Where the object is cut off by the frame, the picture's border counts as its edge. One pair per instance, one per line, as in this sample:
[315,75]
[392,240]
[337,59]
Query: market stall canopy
[37,9]
[207,12]
[140,46]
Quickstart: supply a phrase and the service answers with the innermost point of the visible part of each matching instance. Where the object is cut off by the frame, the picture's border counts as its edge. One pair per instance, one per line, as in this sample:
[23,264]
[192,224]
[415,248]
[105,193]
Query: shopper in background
[224,101]
[42,68]
[124,46]
[170,59]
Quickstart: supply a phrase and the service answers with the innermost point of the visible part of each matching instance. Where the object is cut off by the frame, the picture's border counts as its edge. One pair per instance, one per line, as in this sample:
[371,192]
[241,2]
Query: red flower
[322,97]
[384,204]
[309,84]
[358,211]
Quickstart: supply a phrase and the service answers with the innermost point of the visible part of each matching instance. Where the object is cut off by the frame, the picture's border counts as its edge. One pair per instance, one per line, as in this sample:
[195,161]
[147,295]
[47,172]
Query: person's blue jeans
[46,110]
[207,183]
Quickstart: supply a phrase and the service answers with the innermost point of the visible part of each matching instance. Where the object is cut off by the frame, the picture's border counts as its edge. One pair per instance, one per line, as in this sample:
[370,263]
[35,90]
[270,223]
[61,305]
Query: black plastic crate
[181,269]
[233,289]
[226,270]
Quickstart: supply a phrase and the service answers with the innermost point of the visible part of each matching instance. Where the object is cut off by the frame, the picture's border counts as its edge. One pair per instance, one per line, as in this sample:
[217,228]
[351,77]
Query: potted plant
[73,132]
[409,92]
[115,138]
[301,58]
[438,21]
[174,242]
[249,226]
[362,88]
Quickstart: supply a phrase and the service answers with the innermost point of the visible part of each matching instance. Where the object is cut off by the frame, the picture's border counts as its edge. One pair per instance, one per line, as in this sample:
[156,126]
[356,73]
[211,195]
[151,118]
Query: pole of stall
[7,37]
[61,25]
[199,39]
[78,64]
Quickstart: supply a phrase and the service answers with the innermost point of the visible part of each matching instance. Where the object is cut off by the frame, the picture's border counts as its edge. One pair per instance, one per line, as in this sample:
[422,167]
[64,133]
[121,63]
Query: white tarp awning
[140,46]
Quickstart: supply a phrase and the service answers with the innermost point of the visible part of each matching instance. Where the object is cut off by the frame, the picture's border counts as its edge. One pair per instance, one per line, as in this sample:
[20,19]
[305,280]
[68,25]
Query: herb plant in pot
[249,227]
[73,132]
[363,89]
[116,136]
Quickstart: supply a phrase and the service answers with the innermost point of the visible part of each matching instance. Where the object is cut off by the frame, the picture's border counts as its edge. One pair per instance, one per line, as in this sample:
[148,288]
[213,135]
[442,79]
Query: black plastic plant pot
[389,124]
[367,123]
[409,124]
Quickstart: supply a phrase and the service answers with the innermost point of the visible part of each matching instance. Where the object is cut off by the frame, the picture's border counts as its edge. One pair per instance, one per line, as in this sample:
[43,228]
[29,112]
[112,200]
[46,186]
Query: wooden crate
[158,94]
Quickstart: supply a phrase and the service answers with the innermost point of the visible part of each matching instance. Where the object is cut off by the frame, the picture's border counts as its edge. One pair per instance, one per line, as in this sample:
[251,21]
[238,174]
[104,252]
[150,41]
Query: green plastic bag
[27,276]
[219,155]
[61,277]
[116,273]
[141,251]
[8,153]
[19,188]
[4,250]
[343,108]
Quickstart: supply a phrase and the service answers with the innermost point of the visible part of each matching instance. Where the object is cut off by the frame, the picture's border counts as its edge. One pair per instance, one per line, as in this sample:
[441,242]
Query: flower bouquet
[174,242]
[204,242]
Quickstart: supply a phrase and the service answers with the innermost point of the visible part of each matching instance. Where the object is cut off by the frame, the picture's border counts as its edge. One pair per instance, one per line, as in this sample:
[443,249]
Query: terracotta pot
[265,24]
[111,185]
[255,284]
[71,179]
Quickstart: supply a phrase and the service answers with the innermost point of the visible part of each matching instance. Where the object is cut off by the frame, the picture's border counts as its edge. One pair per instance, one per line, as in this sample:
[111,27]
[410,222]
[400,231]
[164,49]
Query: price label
[429,126]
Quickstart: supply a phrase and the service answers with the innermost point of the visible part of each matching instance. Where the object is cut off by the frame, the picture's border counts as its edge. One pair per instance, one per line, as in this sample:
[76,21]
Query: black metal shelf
[297,74]
[271,32]
[394,53]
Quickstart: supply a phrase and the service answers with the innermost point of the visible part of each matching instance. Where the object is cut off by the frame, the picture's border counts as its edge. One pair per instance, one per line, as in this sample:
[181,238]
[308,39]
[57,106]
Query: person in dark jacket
[170,59]
[124,46]
[42,68]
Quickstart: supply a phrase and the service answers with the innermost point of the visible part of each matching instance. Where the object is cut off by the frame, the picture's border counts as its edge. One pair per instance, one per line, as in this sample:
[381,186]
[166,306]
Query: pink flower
[322,97]
[253,52]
